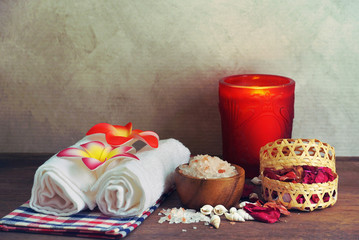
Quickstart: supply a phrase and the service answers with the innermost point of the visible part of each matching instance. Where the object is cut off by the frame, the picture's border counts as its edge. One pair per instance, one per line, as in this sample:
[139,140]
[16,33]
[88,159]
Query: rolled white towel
[62,185]
[130,186]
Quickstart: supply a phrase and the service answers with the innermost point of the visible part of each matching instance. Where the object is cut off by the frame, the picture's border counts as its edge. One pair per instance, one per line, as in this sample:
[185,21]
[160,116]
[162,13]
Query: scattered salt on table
[181,215]
[207,167]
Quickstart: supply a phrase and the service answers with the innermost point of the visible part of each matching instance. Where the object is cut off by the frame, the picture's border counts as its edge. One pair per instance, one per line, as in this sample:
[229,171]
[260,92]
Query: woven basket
[286,153]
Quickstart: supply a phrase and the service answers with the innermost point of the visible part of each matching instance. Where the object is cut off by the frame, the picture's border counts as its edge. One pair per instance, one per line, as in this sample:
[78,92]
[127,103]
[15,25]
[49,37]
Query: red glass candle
[255,109]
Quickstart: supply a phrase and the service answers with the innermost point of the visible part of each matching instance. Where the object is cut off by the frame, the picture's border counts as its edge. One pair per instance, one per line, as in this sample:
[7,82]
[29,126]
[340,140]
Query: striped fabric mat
[83,224]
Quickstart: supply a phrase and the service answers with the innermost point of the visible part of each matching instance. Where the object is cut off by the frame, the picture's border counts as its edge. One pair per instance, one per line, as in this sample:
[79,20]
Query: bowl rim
[240,174]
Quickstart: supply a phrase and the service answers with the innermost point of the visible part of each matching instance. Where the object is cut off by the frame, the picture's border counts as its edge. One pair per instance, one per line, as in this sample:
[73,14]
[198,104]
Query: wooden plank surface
[338,222]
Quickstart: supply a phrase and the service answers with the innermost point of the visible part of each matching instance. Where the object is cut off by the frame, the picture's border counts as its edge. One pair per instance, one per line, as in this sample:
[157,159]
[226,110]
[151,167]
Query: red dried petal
[309,177]
[321,177]
[314,198]
[263,214]
[326,197]
[300,199]
[301,174]
[283,210]
[290,176]
[269,173]
[330,174]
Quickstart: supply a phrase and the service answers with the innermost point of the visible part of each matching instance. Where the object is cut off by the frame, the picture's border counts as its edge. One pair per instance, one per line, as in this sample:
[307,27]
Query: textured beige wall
[66,65]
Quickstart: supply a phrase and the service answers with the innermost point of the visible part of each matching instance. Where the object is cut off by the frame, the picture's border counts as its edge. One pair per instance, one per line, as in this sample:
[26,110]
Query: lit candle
[255,109]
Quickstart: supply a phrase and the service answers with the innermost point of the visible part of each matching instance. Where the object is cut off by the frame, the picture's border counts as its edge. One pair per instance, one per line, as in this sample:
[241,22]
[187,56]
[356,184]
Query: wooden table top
[338,222]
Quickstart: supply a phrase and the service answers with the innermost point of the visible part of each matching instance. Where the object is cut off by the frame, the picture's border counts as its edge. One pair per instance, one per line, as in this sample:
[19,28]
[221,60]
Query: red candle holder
[255,109]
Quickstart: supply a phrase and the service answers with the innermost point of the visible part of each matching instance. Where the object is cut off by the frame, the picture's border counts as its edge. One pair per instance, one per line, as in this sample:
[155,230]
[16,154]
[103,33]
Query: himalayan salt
[181,215]
[207,167]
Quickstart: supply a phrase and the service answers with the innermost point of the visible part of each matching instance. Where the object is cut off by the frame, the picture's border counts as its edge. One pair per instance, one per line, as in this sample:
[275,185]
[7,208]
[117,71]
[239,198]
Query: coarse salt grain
[208,167]
[181,215]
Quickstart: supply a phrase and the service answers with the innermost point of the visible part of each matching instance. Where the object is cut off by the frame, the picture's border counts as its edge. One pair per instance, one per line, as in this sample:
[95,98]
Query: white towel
[62,185]
[129,186]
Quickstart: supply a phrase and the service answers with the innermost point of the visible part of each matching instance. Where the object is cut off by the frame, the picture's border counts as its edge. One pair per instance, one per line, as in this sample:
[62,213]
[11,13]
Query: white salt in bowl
[195,192]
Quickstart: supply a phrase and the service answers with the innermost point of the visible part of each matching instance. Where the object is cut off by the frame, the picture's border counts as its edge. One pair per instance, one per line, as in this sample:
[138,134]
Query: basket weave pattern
[286,153]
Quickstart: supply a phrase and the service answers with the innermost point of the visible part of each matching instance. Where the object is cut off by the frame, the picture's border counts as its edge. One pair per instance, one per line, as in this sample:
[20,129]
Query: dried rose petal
[301,174]
[263,214]
[314,198]
[283,210]
[270,173]
[300,199]
[326,197]
[309,177]
[329,172]
[321,177]
[291,176]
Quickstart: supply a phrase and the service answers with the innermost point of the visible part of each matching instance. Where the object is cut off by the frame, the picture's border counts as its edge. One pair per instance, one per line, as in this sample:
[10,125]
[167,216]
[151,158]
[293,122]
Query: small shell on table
[256,181]
[232,210]
[242,204]
[206,209]
[215,221]
[253,197]
[244,215]
[234,217]
[219,210]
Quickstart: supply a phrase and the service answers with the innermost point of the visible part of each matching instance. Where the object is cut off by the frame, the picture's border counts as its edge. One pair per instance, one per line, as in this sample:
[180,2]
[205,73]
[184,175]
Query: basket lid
[284,153]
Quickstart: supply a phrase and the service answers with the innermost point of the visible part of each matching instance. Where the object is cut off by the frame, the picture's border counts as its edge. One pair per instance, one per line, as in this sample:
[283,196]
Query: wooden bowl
[196,192]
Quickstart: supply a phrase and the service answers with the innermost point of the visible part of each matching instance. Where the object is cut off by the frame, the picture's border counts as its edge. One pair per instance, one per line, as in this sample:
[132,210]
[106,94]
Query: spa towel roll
[62,185]
[130,186]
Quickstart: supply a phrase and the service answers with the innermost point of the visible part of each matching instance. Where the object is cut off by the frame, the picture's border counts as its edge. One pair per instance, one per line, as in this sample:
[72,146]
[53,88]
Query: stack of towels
[124,187]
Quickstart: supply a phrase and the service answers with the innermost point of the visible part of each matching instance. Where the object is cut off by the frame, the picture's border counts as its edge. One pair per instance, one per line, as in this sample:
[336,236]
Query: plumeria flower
[95,153]
[118,135]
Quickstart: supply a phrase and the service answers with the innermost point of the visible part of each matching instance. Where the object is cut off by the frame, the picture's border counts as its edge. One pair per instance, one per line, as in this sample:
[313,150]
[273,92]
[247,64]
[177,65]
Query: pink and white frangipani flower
[118,135]
[95,153]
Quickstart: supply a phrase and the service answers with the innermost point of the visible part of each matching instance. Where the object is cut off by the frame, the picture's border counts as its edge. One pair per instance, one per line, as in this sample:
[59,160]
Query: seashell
[215,221]
[256,181]
[206,209]
[238,218]
[253,197]
[229,216]
[234,217]
[244,215]
[233,210]
[219,210]
[242,204]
